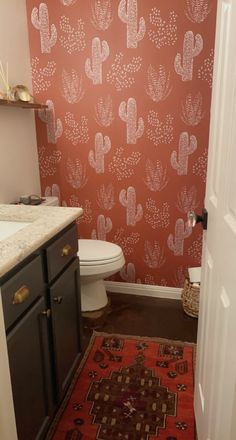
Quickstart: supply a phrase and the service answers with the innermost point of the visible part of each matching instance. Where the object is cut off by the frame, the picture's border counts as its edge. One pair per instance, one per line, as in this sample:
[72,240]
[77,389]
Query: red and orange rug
[130,388]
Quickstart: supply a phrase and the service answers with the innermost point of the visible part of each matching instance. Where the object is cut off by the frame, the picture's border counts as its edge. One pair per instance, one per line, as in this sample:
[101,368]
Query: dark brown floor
[143,316]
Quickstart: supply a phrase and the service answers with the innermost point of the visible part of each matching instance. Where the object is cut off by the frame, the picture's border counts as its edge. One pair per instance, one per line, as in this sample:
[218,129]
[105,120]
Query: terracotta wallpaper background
[128,86]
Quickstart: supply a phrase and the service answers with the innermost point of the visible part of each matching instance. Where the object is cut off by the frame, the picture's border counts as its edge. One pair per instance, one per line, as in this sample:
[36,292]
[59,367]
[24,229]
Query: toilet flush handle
[194,218]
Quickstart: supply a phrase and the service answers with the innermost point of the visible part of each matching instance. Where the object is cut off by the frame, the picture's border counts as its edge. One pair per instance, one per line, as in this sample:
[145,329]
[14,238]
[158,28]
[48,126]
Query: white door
[215,385]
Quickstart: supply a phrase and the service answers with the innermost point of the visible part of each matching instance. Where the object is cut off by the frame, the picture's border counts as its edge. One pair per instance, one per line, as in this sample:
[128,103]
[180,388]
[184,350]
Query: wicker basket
[190,298]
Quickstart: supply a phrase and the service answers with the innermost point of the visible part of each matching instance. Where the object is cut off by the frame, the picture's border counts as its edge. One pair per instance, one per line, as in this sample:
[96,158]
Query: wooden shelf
[22,104]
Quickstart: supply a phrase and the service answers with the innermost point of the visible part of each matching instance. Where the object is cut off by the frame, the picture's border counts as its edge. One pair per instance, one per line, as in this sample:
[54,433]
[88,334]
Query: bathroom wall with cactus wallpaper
[128,89]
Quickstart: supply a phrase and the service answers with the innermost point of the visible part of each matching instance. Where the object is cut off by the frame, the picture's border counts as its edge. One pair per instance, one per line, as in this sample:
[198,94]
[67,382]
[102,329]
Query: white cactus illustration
[192,112]
[76,173]
[134,212]
[157,217]
[93,66]
[48,34]
[179,277]
[104,226]
[74,201]
[165,33]
[128,114]
[187,145]
[153,255]
[128,13]
[200,166]
[68,2]
[205,72]
[128,274]
[53,191]
[192,47]
[54,126]
[72,86]
[187,199]
[160,132]
[149,279]
[195,250]
[72,39]
[102,14]
[42,76]
[102,147]
[106,197]
[156,179]
[120,74]
[158,88]
[176,242]
[103,111]
[197,10]
[76,132]
[48,162]
[87,216]
[163,282]
[126,241]
[123,166]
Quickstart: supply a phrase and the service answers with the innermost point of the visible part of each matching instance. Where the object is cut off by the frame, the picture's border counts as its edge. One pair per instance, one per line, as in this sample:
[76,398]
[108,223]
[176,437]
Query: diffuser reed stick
[4,78]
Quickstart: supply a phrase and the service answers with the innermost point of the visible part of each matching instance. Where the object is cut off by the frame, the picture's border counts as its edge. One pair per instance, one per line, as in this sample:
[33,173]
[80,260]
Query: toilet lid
[98,251]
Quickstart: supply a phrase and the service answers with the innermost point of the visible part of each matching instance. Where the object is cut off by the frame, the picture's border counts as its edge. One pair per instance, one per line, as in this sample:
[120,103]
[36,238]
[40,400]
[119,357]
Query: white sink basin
[8,228]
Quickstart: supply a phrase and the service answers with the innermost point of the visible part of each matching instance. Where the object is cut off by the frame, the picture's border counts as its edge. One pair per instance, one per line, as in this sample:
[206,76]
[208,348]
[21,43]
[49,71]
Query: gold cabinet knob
[66,250]
[57,299]
[21,295]
[46,313]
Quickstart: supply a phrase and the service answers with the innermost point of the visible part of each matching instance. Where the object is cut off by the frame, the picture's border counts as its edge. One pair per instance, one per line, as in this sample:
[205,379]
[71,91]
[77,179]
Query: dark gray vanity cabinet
[27,330]
[41,304]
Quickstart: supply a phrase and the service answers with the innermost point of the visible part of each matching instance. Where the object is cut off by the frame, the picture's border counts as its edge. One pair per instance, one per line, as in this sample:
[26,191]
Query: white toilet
[98,261]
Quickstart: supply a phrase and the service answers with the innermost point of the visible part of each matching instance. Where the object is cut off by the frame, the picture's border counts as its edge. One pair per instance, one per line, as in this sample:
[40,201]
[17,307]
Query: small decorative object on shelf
[17,96]
[21,93]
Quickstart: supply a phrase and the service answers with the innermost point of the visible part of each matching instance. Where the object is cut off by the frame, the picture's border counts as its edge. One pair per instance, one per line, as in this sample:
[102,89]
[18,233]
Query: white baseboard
[143,290]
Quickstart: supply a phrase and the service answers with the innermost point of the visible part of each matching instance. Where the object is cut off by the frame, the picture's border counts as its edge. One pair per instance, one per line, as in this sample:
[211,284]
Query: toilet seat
[98,252]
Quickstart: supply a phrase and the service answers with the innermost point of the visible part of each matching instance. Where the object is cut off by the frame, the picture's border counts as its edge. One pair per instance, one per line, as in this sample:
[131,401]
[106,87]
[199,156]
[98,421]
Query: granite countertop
[44,223]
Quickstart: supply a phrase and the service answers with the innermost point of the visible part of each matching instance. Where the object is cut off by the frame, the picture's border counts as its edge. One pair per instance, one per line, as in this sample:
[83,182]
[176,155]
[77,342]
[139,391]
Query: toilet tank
[50,201]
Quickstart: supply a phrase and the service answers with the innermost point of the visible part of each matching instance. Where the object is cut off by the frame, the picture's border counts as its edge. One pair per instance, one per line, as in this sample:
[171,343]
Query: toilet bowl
[98,261]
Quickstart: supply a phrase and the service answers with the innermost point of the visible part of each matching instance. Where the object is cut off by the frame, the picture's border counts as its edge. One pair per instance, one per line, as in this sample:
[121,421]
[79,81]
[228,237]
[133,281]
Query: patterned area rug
[130,388]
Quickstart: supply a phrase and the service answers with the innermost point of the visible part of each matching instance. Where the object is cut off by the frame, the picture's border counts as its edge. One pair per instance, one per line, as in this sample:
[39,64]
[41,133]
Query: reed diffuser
[6,94]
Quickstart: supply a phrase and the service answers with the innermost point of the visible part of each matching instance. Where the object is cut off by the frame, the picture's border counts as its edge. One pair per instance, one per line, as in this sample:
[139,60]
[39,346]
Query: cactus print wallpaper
[125,136]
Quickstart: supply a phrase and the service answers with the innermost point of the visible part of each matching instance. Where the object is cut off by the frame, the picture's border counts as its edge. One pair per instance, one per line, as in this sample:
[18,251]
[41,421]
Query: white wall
[19,173]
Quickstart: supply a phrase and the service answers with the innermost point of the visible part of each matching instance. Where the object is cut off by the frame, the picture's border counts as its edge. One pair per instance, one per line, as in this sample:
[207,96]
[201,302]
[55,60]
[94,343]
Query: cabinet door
[65,307]
[30,373]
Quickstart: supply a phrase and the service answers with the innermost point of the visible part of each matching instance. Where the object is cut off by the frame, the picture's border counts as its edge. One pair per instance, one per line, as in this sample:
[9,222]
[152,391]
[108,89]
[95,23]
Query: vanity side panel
[7,415]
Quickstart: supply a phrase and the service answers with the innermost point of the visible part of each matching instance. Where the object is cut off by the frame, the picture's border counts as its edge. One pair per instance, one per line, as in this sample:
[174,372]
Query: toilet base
[93,295]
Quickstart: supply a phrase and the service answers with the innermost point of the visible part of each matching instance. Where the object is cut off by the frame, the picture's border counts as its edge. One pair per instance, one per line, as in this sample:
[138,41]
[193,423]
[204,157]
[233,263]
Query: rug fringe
[151,338]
